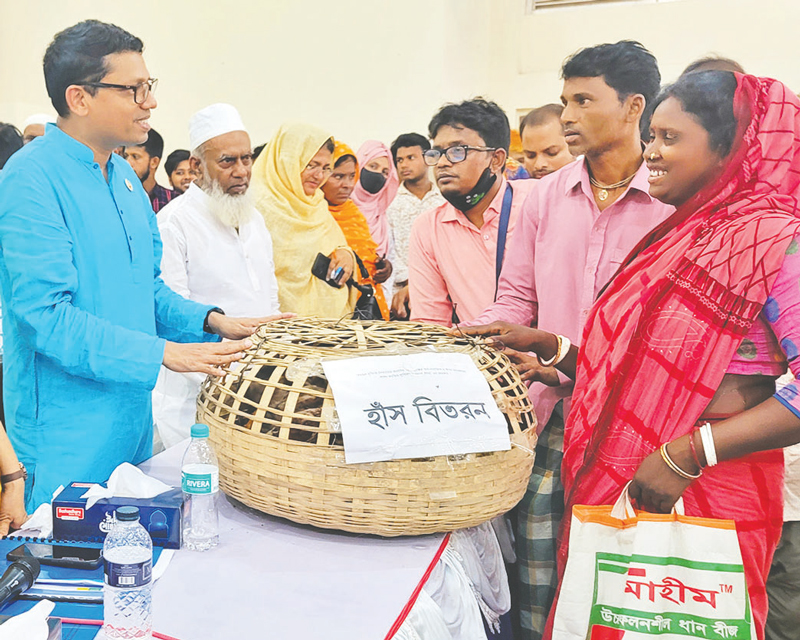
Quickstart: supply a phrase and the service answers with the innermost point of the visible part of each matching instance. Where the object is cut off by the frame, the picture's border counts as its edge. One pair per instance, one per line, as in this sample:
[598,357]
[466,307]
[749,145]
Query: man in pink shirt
[453,251]
[576,227]
[543,143]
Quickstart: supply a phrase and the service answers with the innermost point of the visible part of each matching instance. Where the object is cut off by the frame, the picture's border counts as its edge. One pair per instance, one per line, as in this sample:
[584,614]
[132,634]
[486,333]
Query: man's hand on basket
[203,357]
[238,328]
[531,370]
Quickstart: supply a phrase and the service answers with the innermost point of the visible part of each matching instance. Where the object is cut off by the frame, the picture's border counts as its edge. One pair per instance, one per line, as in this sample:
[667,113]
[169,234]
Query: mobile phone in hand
[320,270]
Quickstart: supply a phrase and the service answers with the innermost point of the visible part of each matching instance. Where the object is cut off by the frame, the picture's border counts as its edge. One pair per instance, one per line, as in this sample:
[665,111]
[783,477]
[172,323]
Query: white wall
[376,68]
[362,68]
[530,48]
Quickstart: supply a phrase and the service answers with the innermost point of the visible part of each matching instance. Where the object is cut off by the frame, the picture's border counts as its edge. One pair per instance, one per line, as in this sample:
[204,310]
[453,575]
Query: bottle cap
[127,514]
[199,431]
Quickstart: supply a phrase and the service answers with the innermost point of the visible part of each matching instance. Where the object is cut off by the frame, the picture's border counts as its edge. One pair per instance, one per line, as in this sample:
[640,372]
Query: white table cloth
[270,578]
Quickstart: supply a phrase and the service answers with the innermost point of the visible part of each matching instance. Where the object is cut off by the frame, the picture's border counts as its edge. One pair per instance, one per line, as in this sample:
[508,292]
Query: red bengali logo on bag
[668,596]
[633,575]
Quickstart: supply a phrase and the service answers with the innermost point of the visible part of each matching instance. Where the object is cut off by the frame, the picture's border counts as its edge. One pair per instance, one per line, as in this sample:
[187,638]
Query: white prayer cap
[37,118]
[213,121]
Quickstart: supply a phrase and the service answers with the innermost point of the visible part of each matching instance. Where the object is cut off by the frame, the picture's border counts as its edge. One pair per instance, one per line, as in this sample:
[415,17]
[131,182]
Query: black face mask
[372,181]
[476,194]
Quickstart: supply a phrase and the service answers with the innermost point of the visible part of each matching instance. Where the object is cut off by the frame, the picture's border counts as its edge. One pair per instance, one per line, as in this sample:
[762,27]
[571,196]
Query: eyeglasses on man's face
[454,154]
[313,167]
[141,91]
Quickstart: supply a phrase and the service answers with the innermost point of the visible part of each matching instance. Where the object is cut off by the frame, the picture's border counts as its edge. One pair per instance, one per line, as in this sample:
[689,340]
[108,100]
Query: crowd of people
[634,250]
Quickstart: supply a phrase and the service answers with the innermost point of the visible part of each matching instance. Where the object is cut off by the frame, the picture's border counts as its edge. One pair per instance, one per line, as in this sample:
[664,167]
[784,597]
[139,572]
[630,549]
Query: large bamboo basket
[274,428]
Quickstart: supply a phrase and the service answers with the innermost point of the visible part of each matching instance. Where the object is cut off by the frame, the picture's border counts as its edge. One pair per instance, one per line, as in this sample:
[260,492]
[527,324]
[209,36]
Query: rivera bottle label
[200,479]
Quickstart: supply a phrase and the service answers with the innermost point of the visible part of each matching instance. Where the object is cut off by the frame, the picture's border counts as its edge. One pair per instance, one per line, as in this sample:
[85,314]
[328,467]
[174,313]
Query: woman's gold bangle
[672,465]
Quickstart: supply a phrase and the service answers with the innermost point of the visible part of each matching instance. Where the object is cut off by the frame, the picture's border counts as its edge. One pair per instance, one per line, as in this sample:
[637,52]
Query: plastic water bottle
[200,483]
[128,559]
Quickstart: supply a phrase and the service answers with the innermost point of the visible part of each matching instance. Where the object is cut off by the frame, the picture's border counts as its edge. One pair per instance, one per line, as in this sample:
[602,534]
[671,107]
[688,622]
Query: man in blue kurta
[87,320]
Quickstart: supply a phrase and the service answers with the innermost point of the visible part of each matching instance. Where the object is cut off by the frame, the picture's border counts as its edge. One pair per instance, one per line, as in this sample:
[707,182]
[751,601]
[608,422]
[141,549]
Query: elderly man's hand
[12,506]
[238,328]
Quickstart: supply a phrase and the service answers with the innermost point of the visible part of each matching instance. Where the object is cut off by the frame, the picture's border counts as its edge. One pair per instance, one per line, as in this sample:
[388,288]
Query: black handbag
[367,307]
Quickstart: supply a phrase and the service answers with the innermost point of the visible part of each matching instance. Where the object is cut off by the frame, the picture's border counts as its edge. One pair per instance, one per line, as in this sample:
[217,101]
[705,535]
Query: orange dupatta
[356,232]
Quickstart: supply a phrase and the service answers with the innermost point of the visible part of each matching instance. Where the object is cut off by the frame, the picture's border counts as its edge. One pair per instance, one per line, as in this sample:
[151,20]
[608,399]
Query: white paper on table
[414,406]
[31,625]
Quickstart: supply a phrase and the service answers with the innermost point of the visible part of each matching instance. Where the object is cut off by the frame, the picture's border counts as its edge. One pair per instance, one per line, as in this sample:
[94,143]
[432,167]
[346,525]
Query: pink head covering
[374,206]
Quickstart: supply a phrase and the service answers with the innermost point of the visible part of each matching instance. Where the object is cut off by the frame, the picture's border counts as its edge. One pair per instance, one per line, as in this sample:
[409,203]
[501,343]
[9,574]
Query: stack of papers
[65,590]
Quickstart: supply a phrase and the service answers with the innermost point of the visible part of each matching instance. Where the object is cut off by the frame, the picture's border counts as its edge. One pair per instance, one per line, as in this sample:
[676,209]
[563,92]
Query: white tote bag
[633,574]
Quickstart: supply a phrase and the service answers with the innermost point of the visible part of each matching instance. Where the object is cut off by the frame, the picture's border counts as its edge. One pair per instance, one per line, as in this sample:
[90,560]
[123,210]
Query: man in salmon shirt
[453,258]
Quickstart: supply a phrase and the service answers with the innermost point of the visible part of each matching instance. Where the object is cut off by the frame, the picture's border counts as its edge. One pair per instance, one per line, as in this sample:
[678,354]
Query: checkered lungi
[538,516]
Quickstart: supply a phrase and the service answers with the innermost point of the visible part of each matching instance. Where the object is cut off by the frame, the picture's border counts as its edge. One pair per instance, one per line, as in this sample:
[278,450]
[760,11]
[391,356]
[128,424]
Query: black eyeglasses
[141,91]
[456,153]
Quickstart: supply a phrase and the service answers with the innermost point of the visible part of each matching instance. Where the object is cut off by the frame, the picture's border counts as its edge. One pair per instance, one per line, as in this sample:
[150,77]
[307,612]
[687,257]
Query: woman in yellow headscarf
[348,216]
[286,184]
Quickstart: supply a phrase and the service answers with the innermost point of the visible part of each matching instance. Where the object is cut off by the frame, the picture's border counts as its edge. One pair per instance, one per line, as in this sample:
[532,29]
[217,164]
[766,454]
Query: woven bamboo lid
[275,430]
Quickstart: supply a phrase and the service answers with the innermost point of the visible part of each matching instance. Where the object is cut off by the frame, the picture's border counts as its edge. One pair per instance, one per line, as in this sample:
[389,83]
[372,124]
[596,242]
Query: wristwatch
[22,472]
[206,328]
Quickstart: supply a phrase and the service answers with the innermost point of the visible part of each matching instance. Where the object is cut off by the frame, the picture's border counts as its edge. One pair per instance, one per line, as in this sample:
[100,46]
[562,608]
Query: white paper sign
[414,406]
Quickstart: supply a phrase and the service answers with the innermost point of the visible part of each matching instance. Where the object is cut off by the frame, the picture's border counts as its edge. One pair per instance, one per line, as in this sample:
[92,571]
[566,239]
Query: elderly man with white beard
[216,248]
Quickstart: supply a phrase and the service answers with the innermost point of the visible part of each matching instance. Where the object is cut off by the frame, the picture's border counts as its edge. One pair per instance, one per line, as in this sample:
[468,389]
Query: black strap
[361,268]
[502,231]
[206,328]
[352,282]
